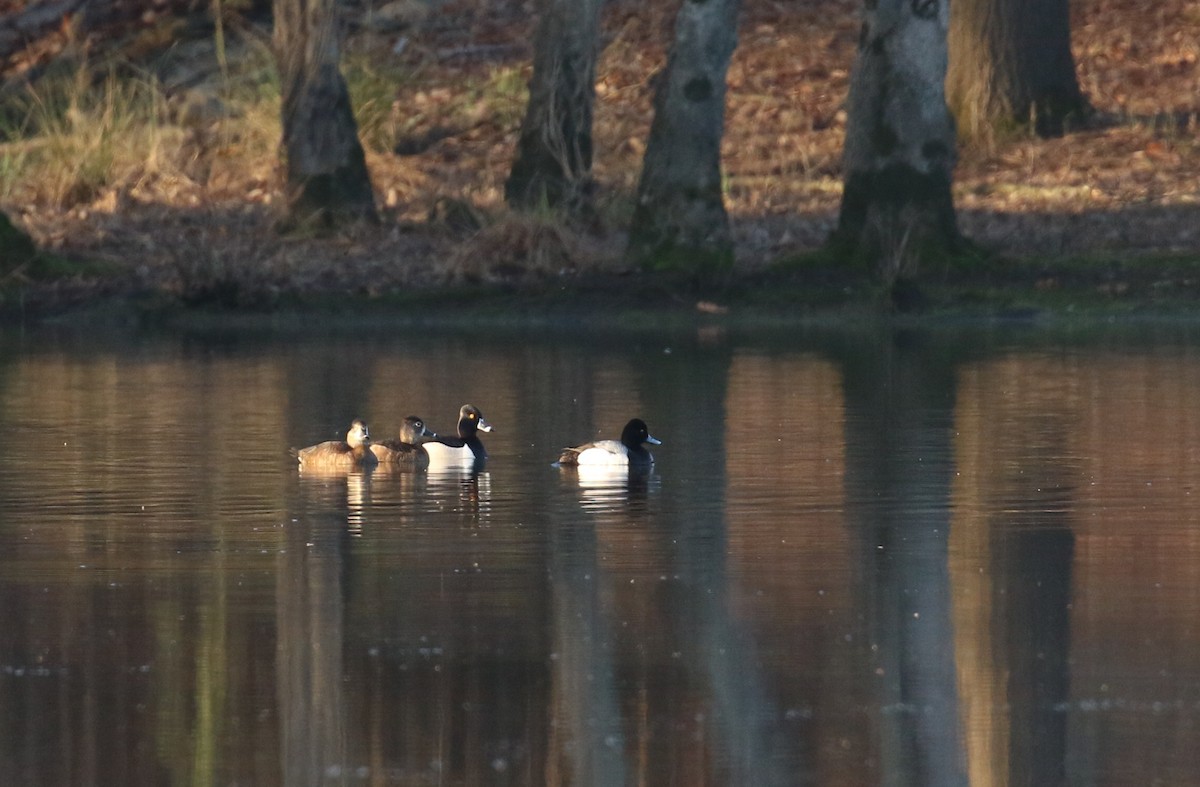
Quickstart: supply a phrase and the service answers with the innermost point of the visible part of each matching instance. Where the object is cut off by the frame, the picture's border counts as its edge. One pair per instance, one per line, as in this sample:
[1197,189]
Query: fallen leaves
[1135,182]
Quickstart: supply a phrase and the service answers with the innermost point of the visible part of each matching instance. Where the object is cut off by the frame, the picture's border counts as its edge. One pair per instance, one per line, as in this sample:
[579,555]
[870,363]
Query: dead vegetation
[155,159]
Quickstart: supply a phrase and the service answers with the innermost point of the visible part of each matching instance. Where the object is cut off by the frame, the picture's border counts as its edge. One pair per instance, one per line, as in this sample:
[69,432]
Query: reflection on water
[902,558]
[604,489]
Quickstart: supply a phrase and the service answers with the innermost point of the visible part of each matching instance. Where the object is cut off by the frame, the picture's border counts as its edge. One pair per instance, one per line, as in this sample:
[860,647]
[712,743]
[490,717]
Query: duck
[629,451]
[406,449]
[467,448]
[352,452]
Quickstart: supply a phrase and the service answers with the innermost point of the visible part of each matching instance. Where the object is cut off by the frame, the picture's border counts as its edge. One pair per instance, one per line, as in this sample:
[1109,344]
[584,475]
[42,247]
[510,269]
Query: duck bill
[652,440]
[427,432]
[484,426]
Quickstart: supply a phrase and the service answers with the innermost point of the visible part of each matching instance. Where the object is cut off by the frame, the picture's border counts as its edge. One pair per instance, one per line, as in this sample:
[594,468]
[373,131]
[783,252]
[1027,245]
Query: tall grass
[372,84]
[81,131]
[73,135]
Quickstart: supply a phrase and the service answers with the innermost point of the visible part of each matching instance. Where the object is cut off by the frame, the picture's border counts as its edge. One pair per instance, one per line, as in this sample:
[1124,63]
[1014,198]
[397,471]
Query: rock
[397,15]
[198,109]
[16,248]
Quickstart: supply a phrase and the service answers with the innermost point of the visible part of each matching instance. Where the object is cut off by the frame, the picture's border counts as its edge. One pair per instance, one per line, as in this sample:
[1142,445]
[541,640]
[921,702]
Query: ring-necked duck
[464,449]
[407,448]
[628,451]
[354,451]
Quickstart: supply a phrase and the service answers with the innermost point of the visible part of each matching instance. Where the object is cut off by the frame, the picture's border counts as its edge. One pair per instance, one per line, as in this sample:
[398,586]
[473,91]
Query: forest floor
[182,206]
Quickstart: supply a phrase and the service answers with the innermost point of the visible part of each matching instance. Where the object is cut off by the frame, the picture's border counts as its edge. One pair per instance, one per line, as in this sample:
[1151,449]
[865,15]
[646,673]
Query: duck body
[629,451]
[350,453]
[407,448]
[464,449]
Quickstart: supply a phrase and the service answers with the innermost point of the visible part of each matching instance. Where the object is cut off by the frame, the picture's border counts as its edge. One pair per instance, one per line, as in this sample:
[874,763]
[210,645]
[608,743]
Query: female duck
[350,453]
[465,449]
[407,448]
[629,451]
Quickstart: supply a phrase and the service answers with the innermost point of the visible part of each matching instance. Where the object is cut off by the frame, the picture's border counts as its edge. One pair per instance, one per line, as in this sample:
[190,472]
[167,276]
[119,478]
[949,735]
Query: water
[962,556]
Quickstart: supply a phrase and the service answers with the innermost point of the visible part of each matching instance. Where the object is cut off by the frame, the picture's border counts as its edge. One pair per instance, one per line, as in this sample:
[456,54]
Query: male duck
[352,452]
[626,452]
[407,448]
[467,448]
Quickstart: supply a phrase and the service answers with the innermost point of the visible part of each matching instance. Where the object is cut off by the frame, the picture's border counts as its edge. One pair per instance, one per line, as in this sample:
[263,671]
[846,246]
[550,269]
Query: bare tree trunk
[1010,62]
[553,164]
[900,151]
[679,221]
[327,179]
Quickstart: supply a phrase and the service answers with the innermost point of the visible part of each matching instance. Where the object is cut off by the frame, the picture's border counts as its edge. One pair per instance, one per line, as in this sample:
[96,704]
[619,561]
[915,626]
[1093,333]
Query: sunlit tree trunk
[900,149]
[1011,64]
[327,180]
[680,221]
[553,163]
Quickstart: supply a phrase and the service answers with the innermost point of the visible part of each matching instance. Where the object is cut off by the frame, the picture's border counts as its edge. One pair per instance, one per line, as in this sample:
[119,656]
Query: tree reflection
[717,649]
[586,705]
[1017,489]
[310,598]
[900,409]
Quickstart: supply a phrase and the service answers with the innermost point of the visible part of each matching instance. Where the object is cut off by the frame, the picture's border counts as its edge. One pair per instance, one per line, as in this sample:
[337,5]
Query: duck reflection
[467,490]
[346,490]
[396,485]
[604,488]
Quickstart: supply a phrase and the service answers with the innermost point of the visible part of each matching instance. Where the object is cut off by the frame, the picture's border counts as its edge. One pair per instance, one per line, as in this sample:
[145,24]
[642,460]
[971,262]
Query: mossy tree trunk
[553,163]
[679,221]
[1011,64]
[327,179]
[900,151]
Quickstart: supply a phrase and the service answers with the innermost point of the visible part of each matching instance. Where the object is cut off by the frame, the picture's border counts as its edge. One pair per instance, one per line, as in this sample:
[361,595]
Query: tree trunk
[679,221]
[327,179]
[553,163]
[1010,62]
[900,151]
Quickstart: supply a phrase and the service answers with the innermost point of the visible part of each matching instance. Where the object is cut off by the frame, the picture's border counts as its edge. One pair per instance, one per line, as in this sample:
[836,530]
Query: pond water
[963,555]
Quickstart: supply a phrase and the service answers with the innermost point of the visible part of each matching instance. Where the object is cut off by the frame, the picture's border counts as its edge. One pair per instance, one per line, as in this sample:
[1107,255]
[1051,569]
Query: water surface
[864,557]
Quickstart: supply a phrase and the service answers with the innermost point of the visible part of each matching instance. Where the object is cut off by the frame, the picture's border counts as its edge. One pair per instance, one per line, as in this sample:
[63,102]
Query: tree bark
[1011,63]
[327,179]
[553,163]
[900,150]
[679,221]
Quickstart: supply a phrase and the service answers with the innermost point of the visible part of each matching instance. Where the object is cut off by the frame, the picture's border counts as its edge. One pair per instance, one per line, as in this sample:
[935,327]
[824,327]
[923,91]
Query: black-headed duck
[629,451]
[465,449]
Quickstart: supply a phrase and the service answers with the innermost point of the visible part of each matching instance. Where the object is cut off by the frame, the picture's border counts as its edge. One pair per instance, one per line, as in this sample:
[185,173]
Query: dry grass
[525,249]
[451,98]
